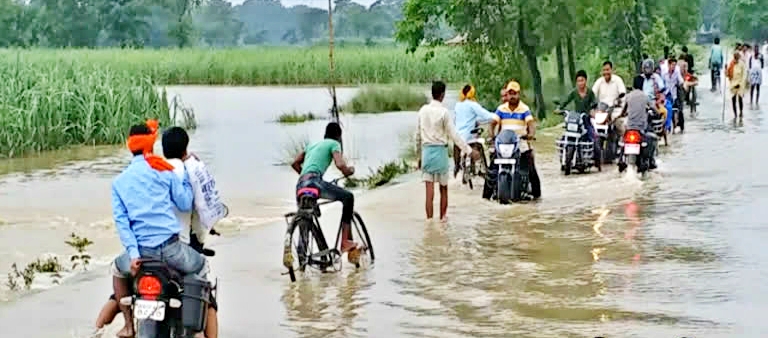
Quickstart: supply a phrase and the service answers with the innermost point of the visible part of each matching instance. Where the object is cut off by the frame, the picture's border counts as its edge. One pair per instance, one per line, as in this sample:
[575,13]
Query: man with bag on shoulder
[737,83]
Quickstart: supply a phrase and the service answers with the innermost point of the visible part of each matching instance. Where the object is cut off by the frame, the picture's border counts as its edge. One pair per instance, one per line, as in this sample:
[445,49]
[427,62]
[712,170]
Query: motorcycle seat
[159,267]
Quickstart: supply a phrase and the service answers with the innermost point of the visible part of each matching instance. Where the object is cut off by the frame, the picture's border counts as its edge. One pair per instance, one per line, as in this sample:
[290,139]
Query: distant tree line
[183,23]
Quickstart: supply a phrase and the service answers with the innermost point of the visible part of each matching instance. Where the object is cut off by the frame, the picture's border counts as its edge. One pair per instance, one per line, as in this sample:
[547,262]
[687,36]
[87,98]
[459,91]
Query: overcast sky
[313,3]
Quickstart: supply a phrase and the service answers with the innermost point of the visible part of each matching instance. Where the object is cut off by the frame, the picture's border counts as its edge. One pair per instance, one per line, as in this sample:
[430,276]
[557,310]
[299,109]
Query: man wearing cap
[515,115]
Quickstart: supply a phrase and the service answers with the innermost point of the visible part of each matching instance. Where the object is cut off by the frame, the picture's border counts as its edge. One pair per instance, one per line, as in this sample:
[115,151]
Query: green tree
[218,24]
[746,19]
[125,21]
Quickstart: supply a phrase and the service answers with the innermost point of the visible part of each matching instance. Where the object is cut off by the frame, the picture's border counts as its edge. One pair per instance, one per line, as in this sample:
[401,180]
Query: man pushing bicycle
[311,165]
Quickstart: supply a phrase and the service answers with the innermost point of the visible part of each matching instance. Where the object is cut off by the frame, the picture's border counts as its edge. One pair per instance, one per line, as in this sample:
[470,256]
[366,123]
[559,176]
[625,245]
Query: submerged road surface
[679,254]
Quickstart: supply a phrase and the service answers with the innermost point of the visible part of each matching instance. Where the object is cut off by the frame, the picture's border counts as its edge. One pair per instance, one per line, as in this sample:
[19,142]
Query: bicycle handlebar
[336,180]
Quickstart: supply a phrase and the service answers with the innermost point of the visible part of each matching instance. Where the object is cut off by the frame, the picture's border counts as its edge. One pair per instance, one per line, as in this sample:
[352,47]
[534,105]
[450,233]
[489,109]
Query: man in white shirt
[607,90]
[435,129]
[609,86]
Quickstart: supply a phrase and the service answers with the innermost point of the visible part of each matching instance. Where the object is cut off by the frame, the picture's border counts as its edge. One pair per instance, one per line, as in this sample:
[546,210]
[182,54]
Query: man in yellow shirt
[516,116]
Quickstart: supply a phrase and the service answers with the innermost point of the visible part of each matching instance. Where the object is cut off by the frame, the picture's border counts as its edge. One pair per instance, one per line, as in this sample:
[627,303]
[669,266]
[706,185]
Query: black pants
[331,192]
[737,99]
[715,68]
[526,159]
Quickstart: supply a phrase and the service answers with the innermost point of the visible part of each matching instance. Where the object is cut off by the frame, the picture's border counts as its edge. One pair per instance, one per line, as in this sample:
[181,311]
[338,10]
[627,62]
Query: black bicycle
[310,247]
[469,168]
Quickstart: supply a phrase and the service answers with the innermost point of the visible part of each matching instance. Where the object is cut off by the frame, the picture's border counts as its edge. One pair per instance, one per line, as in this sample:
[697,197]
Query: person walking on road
[737,83]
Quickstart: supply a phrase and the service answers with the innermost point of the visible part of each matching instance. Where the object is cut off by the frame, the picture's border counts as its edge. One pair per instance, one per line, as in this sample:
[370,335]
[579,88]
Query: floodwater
[602,254]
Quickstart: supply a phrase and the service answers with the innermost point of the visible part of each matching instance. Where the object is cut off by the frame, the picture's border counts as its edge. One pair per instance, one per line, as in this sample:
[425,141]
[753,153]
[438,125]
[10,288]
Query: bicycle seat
[307,198]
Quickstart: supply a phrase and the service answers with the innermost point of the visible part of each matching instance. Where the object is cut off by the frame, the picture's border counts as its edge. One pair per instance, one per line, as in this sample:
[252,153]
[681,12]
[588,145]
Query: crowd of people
[153,196]
[663,86]
[745,70]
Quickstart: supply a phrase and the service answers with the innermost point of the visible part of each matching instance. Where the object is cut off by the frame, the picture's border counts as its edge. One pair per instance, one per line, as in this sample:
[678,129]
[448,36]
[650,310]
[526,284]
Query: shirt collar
[435,103]
[138,158]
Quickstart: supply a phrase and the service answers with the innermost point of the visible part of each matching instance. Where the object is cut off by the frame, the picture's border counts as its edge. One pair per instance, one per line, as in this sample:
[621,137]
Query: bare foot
[348,245]
[444,220]
[126,332]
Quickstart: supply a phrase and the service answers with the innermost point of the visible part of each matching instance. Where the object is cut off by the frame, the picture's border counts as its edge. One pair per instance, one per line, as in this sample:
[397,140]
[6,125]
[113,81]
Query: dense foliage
[507,38]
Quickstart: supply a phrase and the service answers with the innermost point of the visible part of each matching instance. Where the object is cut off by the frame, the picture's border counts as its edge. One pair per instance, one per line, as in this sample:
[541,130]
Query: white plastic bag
[209,208]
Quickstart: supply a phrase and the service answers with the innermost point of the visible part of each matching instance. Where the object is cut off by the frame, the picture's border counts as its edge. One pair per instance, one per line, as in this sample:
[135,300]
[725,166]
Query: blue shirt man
[143,200]
[142,205]
[469,113]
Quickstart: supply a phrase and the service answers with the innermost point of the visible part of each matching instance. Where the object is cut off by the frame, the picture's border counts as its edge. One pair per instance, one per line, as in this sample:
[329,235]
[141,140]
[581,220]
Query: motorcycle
[636,150]
[575,148]
[508,179]
[168,304]
[606,131]
[469,168]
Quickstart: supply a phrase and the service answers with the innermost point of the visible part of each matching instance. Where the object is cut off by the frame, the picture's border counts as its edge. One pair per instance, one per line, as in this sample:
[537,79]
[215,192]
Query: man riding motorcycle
[175,141]
[652,82]
[514,115]
[636,111]
[584,101]
[143,200]
[673,81]
[608,88]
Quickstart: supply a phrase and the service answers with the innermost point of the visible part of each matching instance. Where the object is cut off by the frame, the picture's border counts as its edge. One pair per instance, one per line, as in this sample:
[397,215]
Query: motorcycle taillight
[632,136]
[149,287]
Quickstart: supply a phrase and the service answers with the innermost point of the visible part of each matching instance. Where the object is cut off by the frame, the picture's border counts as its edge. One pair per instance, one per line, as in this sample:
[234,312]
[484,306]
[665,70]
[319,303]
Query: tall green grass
[253,66]
[382,99]
[51,106]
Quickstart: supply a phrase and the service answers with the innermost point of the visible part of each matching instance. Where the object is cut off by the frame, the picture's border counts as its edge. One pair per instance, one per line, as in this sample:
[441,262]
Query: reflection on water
[326,306]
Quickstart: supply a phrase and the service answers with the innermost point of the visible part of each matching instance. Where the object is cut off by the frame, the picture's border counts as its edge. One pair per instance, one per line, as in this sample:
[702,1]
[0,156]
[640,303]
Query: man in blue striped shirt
[143,200]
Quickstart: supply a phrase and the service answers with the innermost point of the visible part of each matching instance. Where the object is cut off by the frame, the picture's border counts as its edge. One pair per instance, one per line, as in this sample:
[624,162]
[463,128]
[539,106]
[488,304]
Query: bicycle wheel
[466,171]
[297,257]
[367,255]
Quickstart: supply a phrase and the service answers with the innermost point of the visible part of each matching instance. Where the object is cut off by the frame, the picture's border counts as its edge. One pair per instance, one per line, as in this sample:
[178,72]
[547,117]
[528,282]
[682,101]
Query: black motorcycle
[575,148]
[637,147]
[606,130]
[168,305]
[509,175]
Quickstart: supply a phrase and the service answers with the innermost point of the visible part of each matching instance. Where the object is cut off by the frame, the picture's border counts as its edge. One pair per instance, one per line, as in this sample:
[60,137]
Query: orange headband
[145,144]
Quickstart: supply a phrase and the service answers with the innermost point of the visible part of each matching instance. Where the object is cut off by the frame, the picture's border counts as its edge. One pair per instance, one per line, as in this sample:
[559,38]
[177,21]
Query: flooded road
[679,254]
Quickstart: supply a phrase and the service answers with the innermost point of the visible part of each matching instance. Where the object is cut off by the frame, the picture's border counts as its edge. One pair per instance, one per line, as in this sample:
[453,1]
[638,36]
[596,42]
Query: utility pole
[331,68]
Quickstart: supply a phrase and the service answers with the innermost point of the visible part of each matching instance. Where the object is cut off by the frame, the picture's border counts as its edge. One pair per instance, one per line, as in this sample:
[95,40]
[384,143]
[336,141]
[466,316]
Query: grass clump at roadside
[291,149]
[378,177]
[296,117]
[48,107]
[49,265]
[380,99]
[381,176]
[251,66]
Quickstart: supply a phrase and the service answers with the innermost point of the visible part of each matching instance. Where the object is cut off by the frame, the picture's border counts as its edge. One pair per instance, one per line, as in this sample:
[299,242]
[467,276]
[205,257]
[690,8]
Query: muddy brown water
[678,254]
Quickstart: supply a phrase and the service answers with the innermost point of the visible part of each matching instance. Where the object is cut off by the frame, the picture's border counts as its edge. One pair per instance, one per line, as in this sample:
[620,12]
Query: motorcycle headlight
[506,150]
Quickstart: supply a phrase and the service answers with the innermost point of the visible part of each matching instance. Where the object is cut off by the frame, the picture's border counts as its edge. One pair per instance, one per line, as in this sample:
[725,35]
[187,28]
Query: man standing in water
[435,129]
